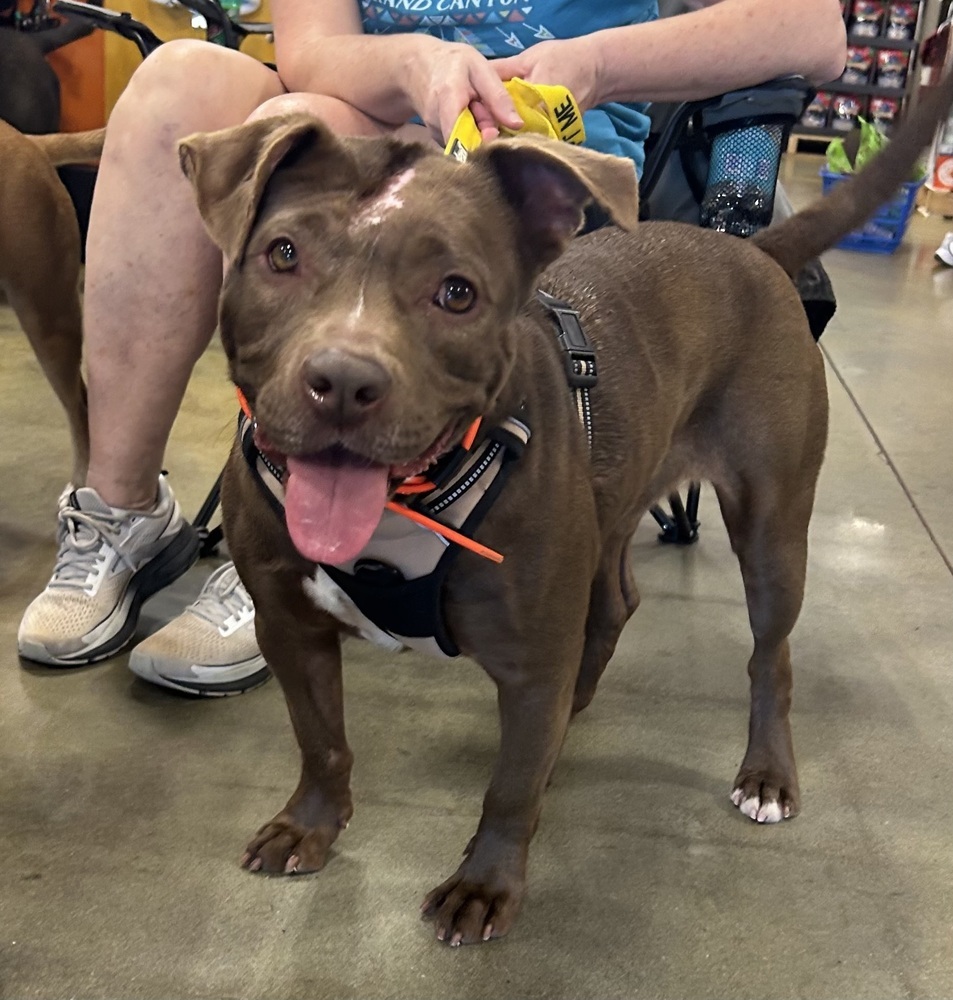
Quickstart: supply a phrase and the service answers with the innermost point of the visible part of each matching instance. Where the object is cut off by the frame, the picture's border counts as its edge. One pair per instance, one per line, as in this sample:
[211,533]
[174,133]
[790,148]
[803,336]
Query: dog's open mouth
[334,499]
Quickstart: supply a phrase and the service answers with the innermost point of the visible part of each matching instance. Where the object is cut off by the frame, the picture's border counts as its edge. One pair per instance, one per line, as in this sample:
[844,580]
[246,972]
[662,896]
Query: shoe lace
[82,535]
[223,600]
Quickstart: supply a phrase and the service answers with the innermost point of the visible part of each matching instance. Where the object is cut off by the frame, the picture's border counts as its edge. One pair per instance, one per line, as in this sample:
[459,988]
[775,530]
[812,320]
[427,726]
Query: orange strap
[420,484]
[243,403]
[448,533]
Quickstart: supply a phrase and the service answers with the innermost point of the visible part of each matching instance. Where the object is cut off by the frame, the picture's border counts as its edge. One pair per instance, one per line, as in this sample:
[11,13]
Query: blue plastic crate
[885,231]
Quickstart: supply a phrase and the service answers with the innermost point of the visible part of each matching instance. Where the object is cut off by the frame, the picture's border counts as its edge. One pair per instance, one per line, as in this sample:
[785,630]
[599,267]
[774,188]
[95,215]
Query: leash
[546,109]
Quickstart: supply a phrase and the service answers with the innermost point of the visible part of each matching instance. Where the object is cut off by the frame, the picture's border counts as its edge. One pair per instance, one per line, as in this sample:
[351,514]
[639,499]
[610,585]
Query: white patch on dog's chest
[329,597]
[374,213]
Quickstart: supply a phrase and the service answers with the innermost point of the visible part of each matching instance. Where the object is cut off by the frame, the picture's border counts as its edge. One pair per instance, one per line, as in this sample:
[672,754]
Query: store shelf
[881,42]
[867,91]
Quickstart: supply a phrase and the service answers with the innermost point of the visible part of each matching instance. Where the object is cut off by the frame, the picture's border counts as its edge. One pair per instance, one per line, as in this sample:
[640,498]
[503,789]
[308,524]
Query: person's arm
[321,48]
[721,47]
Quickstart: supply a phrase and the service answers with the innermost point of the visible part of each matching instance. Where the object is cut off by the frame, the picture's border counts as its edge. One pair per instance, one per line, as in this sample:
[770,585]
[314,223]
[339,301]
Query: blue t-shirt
[503,27]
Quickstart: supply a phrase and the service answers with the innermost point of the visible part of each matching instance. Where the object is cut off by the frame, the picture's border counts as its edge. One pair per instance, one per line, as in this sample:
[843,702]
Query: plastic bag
[846,156]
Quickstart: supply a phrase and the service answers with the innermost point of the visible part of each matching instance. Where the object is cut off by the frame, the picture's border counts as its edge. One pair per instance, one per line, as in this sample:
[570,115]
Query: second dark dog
[40,258]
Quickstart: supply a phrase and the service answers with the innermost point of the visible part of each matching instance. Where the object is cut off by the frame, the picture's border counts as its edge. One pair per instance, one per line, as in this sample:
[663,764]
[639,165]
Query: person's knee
[338,115]
[185,85]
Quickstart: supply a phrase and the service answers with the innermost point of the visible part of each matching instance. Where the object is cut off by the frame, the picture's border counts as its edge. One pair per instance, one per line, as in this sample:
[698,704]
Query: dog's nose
[345,386]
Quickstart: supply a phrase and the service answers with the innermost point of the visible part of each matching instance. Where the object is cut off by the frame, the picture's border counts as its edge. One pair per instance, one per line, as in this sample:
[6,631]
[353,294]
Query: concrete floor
[123,809]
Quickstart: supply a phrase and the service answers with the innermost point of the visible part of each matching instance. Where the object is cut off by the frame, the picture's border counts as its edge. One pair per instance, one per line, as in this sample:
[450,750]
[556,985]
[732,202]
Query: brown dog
[378,298]
[40,258]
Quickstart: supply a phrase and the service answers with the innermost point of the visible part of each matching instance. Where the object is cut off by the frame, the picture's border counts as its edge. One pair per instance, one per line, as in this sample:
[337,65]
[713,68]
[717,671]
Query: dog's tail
[800,238]
[71,147]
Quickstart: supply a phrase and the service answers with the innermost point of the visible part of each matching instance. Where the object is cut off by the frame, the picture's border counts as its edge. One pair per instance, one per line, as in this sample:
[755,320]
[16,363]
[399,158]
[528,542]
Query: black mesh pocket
[742,176]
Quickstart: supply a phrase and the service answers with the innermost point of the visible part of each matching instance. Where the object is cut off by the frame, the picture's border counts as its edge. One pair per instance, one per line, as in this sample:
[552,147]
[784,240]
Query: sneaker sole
[145,667]
[944,256]
[174,560]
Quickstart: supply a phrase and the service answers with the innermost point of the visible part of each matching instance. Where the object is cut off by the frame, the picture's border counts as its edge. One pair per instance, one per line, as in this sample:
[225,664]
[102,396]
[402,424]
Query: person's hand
[452,76]
[571,63]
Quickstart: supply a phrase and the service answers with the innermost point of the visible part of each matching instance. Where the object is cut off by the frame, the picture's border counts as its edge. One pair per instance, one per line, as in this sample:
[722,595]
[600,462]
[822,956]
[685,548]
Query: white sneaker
[109,561]
[210,649]
[944,252]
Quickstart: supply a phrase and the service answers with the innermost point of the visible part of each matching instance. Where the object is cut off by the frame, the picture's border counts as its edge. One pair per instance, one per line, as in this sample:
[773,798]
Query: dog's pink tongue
[333,503]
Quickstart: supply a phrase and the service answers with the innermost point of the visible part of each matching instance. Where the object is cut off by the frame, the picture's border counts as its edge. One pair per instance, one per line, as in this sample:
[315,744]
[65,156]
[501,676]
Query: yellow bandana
[545,109]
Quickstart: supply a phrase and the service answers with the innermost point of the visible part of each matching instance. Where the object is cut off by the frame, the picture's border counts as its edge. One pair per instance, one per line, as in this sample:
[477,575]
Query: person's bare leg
[339,116]
[153,278]
[152,274]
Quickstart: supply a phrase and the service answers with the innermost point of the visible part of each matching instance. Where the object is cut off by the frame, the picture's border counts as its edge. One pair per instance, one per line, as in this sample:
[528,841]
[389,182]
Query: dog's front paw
[471,907]
[764,798]
[284,846]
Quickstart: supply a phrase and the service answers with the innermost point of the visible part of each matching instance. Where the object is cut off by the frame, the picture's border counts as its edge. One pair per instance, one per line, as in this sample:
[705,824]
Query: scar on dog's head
[547,183]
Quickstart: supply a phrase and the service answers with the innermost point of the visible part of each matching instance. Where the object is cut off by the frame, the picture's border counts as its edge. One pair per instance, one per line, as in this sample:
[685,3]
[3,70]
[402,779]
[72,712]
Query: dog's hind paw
[762,806]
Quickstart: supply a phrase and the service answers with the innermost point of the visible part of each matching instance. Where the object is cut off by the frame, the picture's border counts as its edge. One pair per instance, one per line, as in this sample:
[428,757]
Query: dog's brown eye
[456,295]
[282,255]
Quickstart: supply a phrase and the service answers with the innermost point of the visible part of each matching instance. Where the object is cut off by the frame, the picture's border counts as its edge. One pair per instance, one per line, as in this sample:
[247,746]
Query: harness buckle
[579,356]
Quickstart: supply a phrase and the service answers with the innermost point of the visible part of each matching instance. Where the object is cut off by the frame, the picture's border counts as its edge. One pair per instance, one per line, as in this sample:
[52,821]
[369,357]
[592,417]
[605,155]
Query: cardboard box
[931,202]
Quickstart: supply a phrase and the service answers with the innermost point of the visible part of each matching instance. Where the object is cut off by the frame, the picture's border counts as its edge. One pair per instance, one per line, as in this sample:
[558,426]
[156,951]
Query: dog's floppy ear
[550,183]
[230,168]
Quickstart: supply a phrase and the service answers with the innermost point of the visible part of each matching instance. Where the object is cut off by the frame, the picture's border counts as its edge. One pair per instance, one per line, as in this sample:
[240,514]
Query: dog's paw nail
[488,932]
[736,796]
[246,857]
[456,940]
[255,865]
[749,807]
[291,865]
[770,812]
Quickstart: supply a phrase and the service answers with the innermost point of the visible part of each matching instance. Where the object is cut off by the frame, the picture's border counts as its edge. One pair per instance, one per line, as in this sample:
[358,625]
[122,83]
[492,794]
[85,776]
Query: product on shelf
[902,20]
[882,57]
[845,110]
[940,175]
[892,68]
[866,18]
[884,111]
[816,113]
[860,59]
